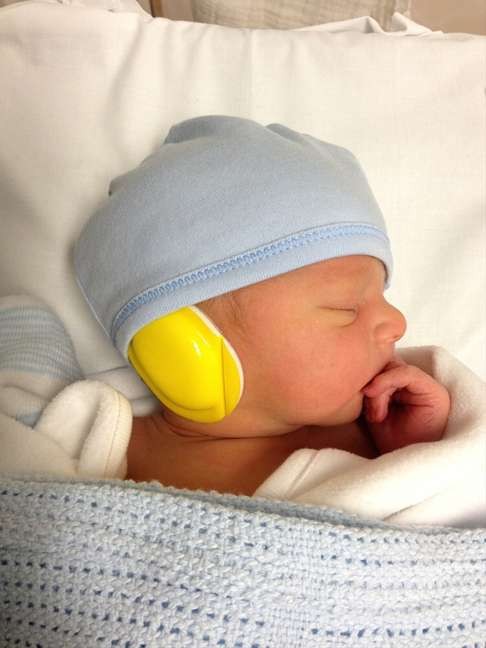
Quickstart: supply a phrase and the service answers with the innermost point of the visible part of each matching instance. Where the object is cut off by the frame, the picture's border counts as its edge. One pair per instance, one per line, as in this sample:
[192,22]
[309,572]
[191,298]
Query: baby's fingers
[376,409]
[417,383]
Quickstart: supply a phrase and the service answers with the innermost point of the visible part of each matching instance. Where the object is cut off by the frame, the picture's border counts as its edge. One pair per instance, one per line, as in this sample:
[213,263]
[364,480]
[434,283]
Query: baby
[308,355]
[277,240]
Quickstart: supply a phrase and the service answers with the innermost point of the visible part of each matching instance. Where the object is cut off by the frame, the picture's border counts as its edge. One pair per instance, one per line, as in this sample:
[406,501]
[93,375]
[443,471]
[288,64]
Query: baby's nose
[392,324]
[398,323]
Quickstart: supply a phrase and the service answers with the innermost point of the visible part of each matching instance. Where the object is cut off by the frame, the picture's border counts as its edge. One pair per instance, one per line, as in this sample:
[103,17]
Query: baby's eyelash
[353,311]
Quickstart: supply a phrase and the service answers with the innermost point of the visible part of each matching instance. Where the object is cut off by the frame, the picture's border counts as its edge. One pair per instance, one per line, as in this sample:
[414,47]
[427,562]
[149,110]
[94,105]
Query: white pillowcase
[89,92]
[288,14]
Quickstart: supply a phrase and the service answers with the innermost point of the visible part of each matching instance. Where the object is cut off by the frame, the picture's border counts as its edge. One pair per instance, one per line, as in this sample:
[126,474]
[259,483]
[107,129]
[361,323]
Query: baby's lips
[362,390]
[395,361]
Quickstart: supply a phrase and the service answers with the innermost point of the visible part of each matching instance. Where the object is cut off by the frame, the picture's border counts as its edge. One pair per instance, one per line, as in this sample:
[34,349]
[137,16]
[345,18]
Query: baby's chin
[350,411]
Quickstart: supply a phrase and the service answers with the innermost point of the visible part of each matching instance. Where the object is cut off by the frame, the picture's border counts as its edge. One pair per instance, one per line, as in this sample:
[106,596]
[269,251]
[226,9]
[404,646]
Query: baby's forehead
[348,265]
[338,269]
[334,275]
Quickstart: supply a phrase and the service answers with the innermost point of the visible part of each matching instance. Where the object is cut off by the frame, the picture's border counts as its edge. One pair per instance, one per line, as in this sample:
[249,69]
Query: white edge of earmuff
[216,330]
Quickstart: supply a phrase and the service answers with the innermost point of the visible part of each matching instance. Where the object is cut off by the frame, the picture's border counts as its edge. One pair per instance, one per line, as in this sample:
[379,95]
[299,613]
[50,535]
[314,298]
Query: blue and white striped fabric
[37,357]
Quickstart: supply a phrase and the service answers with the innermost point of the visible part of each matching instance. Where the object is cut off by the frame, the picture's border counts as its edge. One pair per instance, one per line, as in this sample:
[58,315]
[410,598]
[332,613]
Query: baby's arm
[404,405]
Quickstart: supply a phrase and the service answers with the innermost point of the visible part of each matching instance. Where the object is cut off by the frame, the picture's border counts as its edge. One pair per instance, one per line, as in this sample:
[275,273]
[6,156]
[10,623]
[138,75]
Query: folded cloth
[37,357]
[51,420]
[84,431]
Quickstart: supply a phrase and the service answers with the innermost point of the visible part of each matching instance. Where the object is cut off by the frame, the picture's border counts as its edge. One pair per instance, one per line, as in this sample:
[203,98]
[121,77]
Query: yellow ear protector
[189,365]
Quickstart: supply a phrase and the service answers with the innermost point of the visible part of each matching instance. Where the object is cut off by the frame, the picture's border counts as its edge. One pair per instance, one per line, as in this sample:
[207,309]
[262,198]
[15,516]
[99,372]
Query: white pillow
[87,93]
[290,13]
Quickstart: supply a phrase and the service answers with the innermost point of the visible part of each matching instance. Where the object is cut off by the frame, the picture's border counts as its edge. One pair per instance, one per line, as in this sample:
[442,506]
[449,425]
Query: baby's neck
[231,465]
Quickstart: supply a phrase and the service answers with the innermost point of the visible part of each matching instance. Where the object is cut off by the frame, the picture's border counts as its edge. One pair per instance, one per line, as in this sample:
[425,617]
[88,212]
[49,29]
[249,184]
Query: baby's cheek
[304,380]
[283,372]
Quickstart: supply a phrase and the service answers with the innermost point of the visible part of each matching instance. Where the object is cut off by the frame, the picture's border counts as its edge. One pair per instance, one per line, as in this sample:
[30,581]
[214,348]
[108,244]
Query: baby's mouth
[378,372]
[371,380]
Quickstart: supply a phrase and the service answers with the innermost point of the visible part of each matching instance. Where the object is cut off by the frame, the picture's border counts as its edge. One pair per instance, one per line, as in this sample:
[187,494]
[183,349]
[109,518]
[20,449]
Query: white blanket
[82,429]
[442,482]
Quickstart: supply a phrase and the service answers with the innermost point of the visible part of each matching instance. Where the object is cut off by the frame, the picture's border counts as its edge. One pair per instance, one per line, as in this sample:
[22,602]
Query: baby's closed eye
[350,310]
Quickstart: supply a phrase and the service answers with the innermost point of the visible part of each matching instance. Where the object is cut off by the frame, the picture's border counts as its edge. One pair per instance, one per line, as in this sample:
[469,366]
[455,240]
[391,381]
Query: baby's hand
[404,405]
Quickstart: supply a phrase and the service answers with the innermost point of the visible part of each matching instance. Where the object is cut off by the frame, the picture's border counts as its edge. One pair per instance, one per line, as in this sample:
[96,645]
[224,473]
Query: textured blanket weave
[111,563]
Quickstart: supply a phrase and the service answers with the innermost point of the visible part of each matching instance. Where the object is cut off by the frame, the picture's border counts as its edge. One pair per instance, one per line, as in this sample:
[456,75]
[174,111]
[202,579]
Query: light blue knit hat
[224,202]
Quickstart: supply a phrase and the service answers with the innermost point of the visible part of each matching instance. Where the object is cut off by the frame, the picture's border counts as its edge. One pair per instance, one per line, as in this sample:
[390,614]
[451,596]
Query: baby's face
[311,339]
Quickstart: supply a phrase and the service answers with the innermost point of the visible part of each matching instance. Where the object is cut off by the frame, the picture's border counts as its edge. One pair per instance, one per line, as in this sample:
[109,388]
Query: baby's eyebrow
[358,280]
[352,281]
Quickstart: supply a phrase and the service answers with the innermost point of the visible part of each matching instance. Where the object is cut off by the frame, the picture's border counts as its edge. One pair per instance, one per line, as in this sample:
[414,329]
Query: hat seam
[249,257]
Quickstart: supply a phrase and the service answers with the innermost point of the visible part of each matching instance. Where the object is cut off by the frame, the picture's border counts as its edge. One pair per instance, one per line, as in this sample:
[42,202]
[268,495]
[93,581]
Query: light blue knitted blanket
[115,563]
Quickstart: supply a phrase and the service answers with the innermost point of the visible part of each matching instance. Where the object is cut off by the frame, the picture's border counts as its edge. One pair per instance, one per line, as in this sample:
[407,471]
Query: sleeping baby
[240,270]
[310,357]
